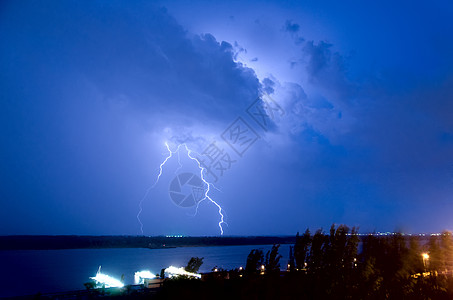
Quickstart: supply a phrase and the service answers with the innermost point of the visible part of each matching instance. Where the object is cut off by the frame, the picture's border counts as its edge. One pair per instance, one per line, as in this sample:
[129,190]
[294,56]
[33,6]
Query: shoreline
[66,242]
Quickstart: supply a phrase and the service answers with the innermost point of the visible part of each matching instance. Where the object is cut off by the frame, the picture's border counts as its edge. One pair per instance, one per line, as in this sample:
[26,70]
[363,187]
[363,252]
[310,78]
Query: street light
[425,257]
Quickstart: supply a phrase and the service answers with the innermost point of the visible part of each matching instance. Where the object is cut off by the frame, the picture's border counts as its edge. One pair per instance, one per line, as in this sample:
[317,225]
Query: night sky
[357,125]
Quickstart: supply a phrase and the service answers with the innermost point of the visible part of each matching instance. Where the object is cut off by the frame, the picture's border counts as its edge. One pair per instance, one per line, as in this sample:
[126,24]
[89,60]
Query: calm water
[46,271]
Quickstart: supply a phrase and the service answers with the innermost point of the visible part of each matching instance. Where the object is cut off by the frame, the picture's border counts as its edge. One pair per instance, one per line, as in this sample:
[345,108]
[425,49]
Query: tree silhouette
[291,260]
[316,254]
[194,264]
[272,263]
[414,262]
[301,248]
[435,254]
[254,261]
[446,245]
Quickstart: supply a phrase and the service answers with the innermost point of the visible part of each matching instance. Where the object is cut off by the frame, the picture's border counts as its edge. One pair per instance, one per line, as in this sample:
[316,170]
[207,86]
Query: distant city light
[425,255]
[388,233]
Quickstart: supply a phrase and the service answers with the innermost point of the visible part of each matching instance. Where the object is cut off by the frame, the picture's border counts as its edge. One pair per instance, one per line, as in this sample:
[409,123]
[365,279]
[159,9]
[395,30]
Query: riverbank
[60,242]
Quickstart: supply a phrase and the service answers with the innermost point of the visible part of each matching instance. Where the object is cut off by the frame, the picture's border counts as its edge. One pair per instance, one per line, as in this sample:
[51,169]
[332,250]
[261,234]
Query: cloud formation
[91,91]
[101,79]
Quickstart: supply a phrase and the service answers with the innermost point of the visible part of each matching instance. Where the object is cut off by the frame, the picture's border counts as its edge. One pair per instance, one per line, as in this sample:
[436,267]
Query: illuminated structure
[139,277]
[173,271]
[103,280]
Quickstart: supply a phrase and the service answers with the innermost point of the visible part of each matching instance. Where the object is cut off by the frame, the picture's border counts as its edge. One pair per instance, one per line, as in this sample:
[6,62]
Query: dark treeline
[32,242]
[335,265]
[396,266]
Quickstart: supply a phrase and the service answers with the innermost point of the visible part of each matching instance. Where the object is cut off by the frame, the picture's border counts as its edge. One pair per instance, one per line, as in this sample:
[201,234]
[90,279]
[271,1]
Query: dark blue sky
[359,131]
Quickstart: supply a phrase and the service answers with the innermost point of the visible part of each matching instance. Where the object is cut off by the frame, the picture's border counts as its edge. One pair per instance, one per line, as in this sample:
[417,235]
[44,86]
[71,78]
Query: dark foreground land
[292,285]
[301,286]
[44,242]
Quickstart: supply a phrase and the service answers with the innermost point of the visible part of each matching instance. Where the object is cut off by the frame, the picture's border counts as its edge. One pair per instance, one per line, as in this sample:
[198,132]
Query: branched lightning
[151,187]
[208,188]
[202,171]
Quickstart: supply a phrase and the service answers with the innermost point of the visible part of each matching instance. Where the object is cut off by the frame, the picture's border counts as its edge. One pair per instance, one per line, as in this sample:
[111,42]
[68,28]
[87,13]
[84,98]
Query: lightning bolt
[151,187]
[202,171]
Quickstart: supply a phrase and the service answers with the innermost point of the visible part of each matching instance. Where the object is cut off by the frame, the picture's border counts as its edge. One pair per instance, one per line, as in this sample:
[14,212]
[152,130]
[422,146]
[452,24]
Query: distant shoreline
[61,242]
